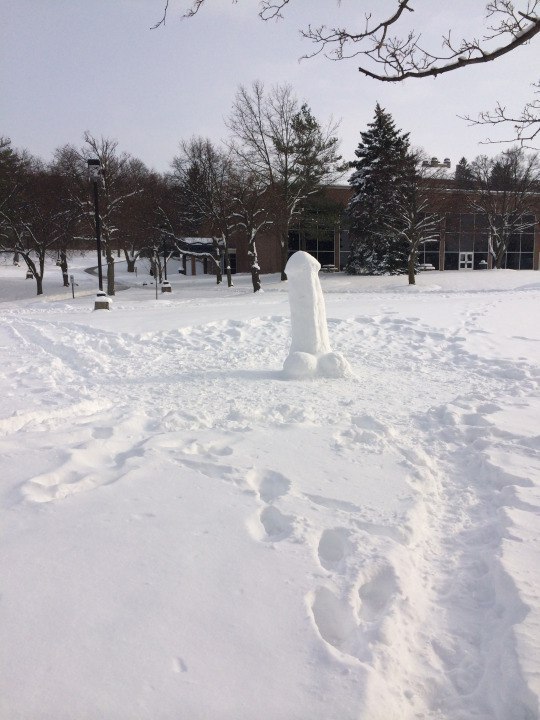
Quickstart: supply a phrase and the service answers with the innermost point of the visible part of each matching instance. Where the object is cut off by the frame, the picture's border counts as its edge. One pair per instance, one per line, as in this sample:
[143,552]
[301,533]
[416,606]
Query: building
[463,243]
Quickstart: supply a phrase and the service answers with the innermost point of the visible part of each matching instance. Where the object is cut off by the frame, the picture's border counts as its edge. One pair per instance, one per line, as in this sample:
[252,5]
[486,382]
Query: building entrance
[466,260]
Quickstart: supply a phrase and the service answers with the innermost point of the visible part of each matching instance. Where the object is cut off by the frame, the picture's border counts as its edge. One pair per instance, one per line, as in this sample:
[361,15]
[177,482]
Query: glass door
[466,260]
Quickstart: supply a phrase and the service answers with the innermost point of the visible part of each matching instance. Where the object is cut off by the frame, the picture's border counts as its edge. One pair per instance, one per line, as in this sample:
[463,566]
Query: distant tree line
[278,154]
[265,176]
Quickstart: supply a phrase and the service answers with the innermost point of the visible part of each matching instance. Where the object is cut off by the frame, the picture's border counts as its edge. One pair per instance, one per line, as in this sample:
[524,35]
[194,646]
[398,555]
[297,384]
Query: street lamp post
[164,247]
[94,171]
[164,261]
[165,286]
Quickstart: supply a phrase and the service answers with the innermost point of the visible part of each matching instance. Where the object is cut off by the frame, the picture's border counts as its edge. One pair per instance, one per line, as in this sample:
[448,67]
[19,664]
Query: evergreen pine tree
[383,166]
[464,175]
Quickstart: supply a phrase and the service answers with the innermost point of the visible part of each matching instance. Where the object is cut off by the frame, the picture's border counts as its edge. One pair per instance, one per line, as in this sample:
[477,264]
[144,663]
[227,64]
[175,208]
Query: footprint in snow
[277,526]
[271,525]
[348,625]
[334,547]
[268,484]
[377,593]
[336,623]
[58,485]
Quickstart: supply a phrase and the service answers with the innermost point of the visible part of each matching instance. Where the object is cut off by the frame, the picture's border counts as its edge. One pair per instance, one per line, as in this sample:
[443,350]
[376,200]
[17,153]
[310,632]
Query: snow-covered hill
[186,534]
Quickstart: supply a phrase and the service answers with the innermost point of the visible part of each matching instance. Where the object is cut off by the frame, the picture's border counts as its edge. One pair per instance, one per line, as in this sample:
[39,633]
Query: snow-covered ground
[188,535]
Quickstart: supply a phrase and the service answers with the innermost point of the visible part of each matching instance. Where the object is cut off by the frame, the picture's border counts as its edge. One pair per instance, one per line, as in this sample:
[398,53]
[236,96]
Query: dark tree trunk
[64,267]
[411,268]
[219,274]
[255,270]
[31,268]
[228,267]
[130,261]
[110,275]
[217,260]
[255,279]
[284,255]
[499,255]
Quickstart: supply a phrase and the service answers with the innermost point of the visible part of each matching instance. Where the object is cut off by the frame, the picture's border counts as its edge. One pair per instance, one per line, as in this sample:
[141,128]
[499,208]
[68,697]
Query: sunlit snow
[188,534]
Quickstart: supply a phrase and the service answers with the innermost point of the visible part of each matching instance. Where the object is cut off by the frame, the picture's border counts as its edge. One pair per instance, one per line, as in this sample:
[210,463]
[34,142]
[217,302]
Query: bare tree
[413,219]
[251,216]
[283,145]
[186,249]
[137,215]
[216,195]
[502,192]
[39,224]
[120,175]
[206,178]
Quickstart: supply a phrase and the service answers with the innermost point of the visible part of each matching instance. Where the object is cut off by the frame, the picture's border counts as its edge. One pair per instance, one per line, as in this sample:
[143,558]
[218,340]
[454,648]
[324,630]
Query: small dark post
[93,169]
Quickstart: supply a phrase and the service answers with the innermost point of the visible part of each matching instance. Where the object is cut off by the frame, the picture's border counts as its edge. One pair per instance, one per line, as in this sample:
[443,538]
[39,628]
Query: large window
[469,232]
[344,248]
[294,241]
[316,235]
[451,261]
[526,261]
[429,257]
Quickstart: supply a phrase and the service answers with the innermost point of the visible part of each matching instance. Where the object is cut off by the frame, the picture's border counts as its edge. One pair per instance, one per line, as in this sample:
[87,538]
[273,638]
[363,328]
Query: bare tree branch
[163,20]
[393,51]
[526,124]
[403,56]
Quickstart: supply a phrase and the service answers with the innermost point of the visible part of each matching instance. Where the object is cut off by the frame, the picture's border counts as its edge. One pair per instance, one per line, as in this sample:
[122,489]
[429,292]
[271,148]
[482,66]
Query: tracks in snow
[419,593]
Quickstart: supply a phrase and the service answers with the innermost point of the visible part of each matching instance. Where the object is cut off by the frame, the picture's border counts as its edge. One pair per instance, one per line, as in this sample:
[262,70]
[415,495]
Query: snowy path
[210,540]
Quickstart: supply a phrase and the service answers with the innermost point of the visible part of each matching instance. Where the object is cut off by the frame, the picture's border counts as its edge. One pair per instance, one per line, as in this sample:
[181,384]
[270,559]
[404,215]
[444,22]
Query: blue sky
[71,65]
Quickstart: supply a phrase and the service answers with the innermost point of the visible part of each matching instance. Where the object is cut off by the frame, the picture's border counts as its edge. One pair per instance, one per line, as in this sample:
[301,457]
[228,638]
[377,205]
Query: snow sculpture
[310,352]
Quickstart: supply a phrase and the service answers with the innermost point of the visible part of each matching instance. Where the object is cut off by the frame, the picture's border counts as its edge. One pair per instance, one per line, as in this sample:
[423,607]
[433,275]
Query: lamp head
[94,166]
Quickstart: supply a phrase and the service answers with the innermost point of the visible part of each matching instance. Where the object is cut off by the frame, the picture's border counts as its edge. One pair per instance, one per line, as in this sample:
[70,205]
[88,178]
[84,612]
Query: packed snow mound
[310,353]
